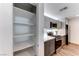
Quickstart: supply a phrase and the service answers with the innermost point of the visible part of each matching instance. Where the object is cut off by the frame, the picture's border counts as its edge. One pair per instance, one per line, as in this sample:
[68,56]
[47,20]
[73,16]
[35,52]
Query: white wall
[74,30]
[6,27]
[40,29]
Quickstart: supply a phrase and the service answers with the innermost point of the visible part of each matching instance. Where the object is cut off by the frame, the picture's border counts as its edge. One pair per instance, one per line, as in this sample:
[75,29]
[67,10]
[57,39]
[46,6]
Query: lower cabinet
[49,47]
[63,38]
[58,43]
[52,46]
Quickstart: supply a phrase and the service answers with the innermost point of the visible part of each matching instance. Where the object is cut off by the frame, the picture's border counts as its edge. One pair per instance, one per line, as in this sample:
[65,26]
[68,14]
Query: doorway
[66,42]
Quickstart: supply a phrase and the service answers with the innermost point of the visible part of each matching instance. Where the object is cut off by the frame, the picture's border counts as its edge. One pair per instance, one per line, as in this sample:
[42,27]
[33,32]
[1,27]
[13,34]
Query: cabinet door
[63,40]
[47,48]
[52,46]
[59,24]
[47,23]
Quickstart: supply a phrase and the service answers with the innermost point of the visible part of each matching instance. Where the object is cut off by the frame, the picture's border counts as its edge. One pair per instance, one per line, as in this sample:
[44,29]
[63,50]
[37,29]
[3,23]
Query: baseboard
[73,43]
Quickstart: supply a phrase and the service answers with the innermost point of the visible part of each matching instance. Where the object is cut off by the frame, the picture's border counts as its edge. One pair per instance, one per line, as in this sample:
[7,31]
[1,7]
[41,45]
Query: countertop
[49,38]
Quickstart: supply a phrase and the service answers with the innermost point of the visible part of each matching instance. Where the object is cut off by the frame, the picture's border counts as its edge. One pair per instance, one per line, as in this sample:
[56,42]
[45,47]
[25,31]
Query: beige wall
[74,30]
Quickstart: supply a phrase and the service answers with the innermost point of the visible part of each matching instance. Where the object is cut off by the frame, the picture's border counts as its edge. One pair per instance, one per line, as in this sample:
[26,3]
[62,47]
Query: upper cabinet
[51,23]
[59,24]
[46,22]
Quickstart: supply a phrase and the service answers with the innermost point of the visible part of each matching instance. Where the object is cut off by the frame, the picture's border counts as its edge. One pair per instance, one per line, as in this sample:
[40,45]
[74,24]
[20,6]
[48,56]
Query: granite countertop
[49,38]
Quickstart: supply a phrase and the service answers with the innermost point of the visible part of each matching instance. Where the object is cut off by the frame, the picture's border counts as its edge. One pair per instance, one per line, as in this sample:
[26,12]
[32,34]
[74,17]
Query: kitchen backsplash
[59,32]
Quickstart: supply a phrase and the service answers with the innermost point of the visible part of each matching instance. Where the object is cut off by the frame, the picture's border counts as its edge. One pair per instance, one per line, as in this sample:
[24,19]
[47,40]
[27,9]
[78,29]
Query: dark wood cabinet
[49,47]
[58,43]
[63,38]
[46,48]
[52,46]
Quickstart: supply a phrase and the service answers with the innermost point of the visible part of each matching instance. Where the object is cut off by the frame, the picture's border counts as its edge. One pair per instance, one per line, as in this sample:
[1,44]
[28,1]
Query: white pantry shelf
[26,52]
[24,24]
[23,45]
[23,35]
[24,13]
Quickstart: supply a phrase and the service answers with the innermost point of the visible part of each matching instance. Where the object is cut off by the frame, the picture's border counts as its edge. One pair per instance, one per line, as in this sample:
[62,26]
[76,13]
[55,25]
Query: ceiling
[53,10]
